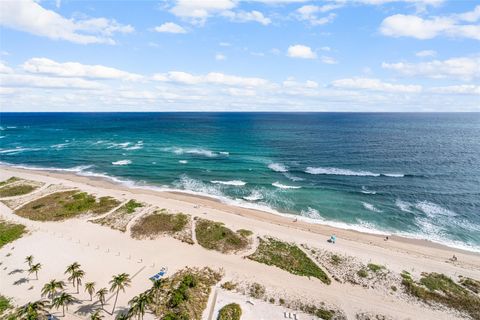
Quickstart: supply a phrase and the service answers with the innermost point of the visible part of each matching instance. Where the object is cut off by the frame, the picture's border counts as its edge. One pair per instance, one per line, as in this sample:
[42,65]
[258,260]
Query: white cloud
[22,80]
[463,67]
[198,12]
[75,69]
[457,89]
[244,16]
[170,27]
[4,68]
[310,13]
[400,25]
[220,57]
[210,78]
[328,60]
[375,85]
[301,51]
[29,16]
[426,53]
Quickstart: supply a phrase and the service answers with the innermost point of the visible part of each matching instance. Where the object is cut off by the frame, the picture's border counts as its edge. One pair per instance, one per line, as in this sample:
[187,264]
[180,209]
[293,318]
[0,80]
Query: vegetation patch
[4,304]
[65,205]
[288,257]
[438,288]
[471,284]
[375,267]
[256,291]
[16,190]
[229,285]
[120,218]
[9,180]
[231,311]
[184,295]
[10,232]
[161,222]
[215,236]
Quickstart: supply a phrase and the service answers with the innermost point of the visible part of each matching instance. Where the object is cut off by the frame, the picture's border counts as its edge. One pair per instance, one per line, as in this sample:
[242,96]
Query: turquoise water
[416,175]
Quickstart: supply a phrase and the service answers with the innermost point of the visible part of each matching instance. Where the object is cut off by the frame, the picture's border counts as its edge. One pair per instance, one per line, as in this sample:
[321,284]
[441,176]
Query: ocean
[410,174]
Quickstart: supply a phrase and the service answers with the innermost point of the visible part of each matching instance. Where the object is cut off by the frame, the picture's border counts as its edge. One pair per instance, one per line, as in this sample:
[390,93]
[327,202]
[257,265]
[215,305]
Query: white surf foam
[366,191]
[254,196]
[278,167]
[403,205]
[183,161]
[283,186]
[18,150]
[433,210]
[195,151]
[348,172]
[237,183]
[312,214]
[122,162]
[59,146]
[370,207]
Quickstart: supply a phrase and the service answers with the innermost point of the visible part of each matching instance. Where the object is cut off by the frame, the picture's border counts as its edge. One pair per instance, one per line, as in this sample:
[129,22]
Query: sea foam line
[348,172]
[238,183]
[283,186]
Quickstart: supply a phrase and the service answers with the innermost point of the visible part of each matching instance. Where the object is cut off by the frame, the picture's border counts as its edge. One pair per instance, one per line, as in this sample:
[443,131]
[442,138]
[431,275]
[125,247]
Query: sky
[240,55]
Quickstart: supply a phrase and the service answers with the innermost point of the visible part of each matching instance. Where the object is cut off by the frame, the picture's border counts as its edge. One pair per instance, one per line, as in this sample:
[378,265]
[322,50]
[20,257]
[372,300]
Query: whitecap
[394,175]
[370,207]
[18,150]
[237,183]
[183,161]
[195,151]
[366,191]
[283,186]
[312,214]
[278,167]
[403,205]
[254,196]
[121,162]
[292,177]
[340,172]
[136,146]
[59,146]
[433,210]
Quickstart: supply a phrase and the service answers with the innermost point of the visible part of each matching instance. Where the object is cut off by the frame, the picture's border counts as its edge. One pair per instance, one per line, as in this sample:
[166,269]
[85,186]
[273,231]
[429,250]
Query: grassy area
[65,205]
[375,267]
[215,236]
[184,295]
[438,288]
[132,205]
[231,311]
[9,180]
[320,312]
[288,257]
[161,222]
[10,232]
[472,284]
[16,190]
[4,304]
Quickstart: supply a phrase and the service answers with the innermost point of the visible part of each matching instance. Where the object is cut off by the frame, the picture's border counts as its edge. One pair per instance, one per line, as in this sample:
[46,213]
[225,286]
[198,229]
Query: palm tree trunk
[78,285]
[36,275]
[91,297]
[115,303]
[64,311]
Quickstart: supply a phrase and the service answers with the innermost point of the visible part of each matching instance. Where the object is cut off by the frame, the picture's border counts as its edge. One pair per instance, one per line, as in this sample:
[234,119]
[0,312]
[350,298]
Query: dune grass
[132,205]
[161,222]
[10,232]
[184,295]
[16,190]
[438,288]
[66,205]
[9,180]
[288,257]
[231,311]
[215,236]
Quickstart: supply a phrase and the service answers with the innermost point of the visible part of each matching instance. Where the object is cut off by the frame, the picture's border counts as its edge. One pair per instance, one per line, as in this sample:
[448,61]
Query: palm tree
[63,300]
[101,294]
[157,285]
[76,277]
[122,316]
[90,288]
[32,310]
[96,315]
[50,288]
[29,260]
[35,268]
[139,304]
[71,268]
[119,282]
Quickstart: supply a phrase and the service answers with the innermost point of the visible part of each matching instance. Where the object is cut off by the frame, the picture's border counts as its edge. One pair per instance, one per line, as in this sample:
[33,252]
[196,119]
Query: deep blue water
[411,174]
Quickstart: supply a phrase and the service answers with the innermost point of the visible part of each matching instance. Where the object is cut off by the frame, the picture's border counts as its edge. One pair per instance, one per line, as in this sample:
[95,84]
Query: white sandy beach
[103,252]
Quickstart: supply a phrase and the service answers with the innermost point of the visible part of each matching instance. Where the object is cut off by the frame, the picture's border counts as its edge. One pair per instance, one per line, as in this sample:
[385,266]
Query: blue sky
[233,55]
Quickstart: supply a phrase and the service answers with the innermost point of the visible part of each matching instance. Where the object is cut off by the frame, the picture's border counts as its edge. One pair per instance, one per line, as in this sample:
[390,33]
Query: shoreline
[282,219]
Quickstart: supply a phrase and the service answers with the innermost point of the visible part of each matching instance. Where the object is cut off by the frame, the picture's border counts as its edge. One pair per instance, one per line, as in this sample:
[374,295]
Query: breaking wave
[121,162]
[278,167]
[348,172]
[283,186]
[237,183]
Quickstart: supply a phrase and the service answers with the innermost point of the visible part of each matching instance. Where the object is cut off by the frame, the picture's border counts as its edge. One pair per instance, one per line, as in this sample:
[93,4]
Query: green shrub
[131,205]
[10,232]
[375,267]
[231,311]
[362,273]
